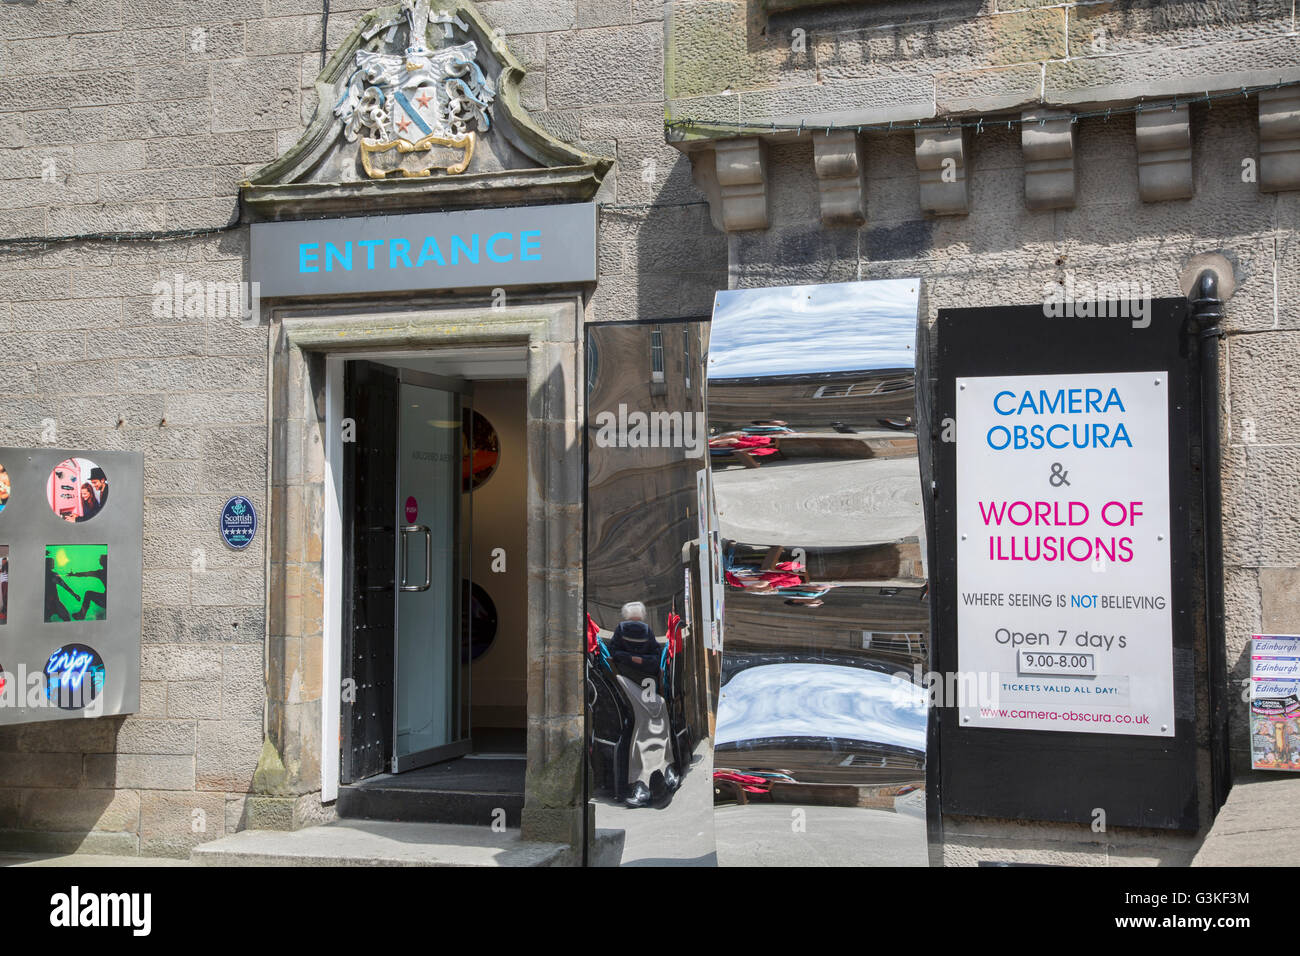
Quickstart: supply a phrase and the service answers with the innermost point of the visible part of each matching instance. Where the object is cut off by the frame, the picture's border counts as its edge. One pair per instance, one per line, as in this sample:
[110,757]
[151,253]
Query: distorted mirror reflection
[757,613]
[651,642]
[819,754]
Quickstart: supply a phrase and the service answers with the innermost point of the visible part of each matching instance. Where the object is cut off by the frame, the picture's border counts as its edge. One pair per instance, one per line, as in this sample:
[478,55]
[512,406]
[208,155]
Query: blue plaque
[238,522]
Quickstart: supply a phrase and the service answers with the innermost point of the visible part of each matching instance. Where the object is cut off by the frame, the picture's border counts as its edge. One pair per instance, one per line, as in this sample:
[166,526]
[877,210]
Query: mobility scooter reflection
[638,739]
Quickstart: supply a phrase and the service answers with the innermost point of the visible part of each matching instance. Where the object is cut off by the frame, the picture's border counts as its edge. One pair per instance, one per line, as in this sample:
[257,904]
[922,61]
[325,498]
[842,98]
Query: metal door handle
[428,558]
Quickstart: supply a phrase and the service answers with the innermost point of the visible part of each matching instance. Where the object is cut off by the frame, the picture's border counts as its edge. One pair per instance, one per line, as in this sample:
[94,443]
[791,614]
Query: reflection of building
[646,442]
[885,630]
[882,624]
[838,730]
[827,617]
[813,402]
[640,498]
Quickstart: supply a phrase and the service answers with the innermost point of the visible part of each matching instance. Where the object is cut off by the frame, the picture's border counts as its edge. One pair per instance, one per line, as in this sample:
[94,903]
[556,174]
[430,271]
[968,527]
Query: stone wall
[1003,253]
[909,59]
[146,116]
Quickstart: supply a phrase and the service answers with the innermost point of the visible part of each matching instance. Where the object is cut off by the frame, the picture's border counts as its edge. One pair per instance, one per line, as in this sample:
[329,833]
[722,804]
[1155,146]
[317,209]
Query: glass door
[431,688]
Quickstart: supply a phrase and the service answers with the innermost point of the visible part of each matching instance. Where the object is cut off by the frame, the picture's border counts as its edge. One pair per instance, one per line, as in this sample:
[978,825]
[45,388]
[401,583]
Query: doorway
[402,571]
[433,611]
[531,339]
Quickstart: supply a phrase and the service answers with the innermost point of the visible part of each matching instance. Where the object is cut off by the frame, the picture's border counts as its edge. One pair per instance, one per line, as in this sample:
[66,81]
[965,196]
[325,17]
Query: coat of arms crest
[421,109]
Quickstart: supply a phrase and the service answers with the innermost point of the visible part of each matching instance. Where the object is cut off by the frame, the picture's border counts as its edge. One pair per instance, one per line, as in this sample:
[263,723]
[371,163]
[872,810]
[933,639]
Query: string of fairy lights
[978,124]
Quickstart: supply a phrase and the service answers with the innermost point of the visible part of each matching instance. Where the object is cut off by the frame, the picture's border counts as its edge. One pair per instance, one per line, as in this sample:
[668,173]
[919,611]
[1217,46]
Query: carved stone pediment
[419,109]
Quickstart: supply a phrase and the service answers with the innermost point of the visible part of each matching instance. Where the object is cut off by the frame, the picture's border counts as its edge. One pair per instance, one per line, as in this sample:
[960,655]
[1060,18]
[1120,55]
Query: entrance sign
[1063,582]
[479,248]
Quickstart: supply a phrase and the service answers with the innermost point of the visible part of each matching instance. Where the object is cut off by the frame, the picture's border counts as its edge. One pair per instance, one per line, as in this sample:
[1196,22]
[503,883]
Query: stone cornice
[1163,141]
[466,191]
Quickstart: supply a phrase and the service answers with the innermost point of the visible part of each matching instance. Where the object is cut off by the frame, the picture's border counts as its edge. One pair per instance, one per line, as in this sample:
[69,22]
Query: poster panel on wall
[1063,561]
[71,535]
[1275,702]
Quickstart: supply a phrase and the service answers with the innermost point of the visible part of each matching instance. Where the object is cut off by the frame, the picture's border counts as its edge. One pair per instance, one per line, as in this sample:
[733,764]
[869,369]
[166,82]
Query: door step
[473,791]
[380,843]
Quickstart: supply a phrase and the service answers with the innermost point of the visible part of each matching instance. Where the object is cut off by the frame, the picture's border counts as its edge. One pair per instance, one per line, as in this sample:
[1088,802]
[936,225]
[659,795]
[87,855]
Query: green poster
[76,582]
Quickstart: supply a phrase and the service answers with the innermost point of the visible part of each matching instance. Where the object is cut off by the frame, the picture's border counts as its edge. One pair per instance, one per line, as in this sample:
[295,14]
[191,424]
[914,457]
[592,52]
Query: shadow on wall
[60,793]
[680,258]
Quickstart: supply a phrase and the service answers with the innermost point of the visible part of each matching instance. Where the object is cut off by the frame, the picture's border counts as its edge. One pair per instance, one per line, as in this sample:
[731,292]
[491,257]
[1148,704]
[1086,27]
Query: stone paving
[1257,826]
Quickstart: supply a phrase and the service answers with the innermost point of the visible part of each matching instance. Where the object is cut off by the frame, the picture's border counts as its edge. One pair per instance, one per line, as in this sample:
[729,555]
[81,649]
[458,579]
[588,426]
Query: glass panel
[428,501]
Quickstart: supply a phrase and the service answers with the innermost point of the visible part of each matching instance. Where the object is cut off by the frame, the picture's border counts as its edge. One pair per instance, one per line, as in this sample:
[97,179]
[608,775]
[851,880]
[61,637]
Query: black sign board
[1068,775]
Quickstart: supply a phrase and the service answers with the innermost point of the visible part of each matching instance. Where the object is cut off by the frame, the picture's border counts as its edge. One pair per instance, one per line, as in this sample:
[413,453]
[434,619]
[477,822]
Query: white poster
[1063,581]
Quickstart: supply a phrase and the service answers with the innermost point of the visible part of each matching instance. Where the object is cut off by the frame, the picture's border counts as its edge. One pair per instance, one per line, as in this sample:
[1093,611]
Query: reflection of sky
[801,329]
[822,700]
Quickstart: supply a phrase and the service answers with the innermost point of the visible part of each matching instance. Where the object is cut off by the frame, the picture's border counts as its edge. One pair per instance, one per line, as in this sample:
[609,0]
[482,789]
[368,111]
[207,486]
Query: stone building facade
[130,127]
[1077,190]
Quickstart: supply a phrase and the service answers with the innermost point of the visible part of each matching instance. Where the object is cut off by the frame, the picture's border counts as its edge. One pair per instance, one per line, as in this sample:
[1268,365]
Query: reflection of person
[635,653]
[89,506]
[99,484]
[634,642]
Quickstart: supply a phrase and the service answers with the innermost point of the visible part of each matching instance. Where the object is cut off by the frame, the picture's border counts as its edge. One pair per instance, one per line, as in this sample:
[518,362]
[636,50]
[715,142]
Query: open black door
[370,534]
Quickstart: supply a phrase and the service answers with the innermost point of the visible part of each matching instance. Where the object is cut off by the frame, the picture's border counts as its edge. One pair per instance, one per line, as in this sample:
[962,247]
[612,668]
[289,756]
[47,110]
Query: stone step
[413,805]
[380,843]
[475,791]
